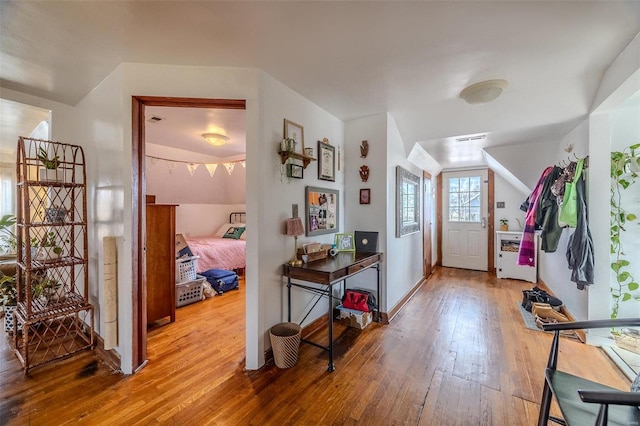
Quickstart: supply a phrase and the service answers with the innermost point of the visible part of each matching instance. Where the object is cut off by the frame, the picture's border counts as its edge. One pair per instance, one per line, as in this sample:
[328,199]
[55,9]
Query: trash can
[285,341]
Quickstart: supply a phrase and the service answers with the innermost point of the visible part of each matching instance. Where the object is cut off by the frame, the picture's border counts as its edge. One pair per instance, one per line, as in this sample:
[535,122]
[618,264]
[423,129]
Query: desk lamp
[295,228]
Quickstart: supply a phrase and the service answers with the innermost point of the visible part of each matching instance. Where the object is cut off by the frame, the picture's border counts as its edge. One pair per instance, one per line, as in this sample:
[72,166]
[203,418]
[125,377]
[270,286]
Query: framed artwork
[326,161]
[365,196]
[407,202]
[295,171]
[321,211]
[296,132]
[345,242]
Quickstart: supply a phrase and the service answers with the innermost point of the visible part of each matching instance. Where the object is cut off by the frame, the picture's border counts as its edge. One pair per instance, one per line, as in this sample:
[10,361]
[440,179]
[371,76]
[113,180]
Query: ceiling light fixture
[215,139]
[484,91]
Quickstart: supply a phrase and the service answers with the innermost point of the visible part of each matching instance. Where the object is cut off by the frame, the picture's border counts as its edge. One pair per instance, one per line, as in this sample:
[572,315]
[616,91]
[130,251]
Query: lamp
[484,91]
[295,228]
[215,139]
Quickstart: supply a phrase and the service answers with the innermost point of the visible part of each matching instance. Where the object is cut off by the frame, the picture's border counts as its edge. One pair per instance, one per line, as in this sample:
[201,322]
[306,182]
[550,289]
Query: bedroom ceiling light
[484,91]
[215,139]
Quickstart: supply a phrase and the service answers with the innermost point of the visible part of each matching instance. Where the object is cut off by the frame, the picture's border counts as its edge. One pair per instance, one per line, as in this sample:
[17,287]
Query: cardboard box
[353,318]
[182,249]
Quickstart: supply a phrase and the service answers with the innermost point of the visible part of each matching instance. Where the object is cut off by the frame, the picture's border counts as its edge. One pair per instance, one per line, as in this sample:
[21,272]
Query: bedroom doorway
[140,127]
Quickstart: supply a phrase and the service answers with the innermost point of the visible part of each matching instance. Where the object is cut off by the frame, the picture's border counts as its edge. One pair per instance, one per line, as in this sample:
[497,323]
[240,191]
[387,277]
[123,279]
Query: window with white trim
[464,199]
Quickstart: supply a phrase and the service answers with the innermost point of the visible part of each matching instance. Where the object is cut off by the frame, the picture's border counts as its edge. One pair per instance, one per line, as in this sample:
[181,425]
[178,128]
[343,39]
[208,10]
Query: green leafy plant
[8,240]
[504,221]
[48,163]
[8,291]
[624,173]
[51,240]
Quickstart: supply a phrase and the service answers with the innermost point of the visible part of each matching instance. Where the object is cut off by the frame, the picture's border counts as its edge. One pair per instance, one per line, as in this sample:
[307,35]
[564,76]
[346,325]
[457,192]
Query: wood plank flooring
[457,354]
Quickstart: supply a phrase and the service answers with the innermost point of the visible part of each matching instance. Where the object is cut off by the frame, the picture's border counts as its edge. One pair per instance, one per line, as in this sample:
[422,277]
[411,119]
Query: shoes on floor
[549,313]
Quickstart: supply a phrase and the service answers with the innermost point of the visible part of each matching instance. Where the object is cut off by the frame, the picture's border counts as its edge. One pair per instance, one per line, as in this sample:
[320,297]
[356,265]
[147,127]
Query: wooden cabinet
[507,246]
[161,262]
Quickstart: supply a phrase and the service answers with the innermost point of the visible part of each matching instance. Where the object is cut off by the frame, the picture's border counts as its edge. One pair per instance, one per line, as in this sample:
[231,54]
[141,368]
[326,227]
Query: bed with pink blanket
[217,252]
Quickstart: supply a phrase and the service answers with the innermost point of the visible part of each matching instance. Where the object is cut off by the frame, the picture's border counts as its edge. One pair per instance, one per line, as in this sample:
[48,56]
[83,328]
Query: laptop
[366,242]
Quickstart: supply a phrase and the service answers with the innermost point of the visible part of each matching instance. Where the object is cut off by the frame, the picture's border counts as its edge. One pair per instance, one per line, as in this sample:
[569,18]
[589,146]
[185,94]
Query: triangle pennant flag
[211,168]
[229,167]
[192,167]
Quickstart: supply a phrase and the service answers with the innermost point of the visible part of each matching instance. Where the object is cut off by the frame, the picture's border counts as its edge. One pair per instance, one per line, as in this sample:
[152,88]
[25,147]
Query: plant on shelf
[48,163]
[288,145]
[625,166]
[504,224]
[8,240]
[49,249]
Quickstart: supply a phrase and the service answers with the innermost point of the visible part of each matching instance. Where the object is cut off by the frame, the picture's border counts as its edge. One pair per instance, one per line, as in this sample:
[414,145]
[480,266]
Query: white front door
[464,221]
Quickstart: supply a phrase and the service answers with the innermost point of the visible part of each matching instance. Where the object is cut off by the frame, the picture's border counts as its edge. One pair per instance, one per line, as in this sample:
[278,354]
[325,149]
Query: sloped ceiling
[352,58]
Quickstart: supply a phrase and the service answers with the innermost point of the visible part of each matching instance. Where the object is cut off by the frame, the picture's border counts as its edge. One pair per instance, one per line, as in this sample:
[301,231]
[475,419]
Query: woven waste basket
[285,341]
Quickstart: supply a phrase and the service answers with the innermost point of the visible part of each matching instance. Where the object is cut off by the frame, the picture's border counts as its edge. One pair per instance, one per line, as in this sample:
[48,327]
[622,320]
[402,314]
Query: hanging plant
[625,166]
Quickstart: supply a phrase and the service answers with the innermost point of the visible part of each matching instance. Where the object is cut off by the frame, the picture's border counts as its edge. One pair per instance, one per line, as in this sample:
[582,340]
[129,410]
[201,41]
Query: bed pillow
[244,235]
[223,229]
[234,232]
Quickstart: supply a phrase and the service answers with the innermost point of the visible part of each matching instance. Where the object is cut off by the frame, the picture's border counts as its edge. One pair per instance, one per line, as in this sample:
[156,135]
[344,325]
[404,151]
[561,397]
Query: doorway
[465,221]
[139,301]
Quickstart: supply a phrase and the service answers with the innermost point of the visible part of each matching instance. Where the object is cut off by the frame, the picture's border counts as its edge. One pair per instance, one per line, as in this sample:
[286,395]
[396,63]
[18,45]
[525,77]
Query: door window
[464,199]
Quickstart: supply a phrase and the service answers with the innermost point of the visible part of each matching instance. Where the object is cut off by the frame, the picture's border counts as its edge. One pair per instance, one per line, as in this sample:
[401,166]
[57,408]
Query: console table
[328,272]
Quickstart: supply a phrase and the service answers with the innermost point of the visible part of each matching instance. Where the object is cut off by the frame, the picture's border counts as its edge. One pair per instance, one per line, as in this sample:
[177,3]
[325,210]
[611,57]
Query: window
[407,202]
[464,199]
[7,189]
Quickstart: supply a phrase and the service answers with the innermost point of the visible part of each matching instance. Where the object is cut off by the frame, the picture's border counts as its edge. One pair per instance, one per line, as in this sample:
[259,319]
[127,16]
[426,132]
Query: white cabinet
[507,245]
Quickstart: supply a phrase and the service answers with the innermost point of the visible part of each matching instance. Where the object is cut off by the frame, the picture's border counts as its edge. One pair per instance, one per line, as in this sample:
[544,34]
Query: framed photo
[345,242]
[296,132]
[407,202]
[295,171]
[321,211]
[326,161]
[365,196]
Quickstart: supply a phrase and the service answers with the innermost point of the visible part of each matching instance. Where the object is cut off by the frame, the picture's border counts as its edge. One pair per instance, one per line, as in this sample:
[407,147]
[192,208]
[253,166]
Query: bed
[220,252]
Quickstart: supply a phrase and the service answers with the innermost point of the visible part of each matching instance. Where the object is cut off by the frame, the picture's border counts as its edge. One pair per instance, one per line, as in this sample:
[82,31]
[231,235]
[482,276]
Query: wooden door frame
[138,191]
[491,267]
[427,252]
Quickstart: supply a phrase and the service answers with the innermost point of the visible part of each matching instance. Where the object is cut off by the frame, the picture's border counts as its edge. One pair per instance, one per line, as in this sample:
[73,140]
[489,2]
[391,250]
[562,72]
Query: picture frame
[295,171]
[322,211]
[365,195]
[345,242]
[296,132]
[326,161]
[407,202]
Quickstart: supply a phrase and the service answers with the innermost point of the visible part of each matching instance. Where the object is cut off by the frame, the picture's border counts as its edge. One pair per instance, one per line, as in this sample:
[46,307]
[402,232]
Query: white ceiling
[182,128]
[352,58]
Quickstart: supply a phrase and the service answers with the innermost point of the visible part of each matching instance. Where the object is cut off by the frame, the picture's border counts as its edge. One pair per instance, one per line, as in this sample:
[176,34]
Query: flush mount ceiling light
[484,91]
[215,139]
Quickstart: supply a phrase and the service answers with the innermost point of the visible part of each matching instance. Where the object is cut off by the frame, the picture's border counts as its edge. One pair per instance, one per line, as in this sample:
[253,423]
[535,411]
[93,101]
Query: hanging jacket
[526,252]
[580,247]
[547,213]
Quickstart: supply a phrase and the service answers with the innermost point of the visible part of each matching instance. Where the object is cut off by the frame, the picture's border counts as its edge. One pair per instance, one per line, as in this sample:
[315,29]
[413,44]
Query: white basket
[186,269]
[189,292]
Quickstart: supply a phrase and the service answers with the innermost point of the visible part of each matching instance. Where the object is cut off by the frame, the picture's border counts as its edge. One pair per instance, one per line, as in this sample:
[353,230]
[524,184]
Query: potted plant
[8,240]
[49,250]
[625,168]
[504,224]
[8,299]
[50,171]
[55,214]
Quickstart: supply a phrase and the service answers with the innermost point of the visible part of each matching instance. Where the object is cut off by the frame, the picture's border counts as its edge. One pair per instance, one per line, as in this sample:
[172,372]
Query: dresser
[161,262]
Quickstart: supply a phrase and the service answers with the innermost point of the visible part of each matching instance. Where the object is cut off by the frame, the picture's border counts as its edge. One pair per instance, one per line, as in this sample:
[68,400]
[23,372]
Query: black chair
[583,402]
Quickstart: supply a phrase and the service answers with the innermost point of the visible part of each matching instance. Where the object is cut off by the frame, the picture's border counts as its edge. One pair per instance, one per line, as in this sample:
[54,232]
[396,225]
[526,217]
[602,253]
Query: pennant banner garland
[191,166]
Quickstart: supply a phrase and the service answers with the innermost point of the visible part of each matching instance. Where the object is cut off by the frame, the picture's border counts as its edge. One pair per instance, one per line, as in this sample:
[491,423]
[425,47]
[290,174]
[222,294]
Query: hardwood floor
[458,353]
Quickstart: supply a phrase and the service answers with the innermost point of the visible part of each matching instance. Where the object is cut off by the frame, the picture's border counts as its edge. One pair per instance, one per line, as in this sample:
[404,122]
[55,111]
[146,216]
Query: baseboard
[111,357]
[386,317]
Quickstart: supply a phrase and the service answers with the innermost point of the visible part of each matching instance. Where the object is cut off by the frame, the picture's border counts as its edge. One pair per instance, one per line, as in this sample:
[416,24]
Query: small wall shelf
[285,155]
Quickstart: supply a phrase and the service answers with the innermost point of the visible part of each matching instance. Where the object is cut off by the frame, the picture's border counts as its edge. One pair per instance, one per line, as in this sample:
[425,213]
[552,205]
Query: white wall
[368,217]
[404,255]
[201,220]
[172,182]
[512,199]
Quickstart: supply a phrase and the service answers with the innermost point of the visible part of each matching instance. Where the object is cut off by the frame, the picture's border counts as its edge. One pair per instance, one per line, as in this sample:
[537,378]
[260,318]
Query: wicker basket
[186,269]
[285,341]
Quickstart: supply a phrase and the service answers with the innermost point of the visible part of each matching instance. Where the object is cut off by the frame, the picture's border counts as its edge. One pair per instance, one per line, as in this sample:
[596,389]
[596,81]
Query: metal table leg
[331,366]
